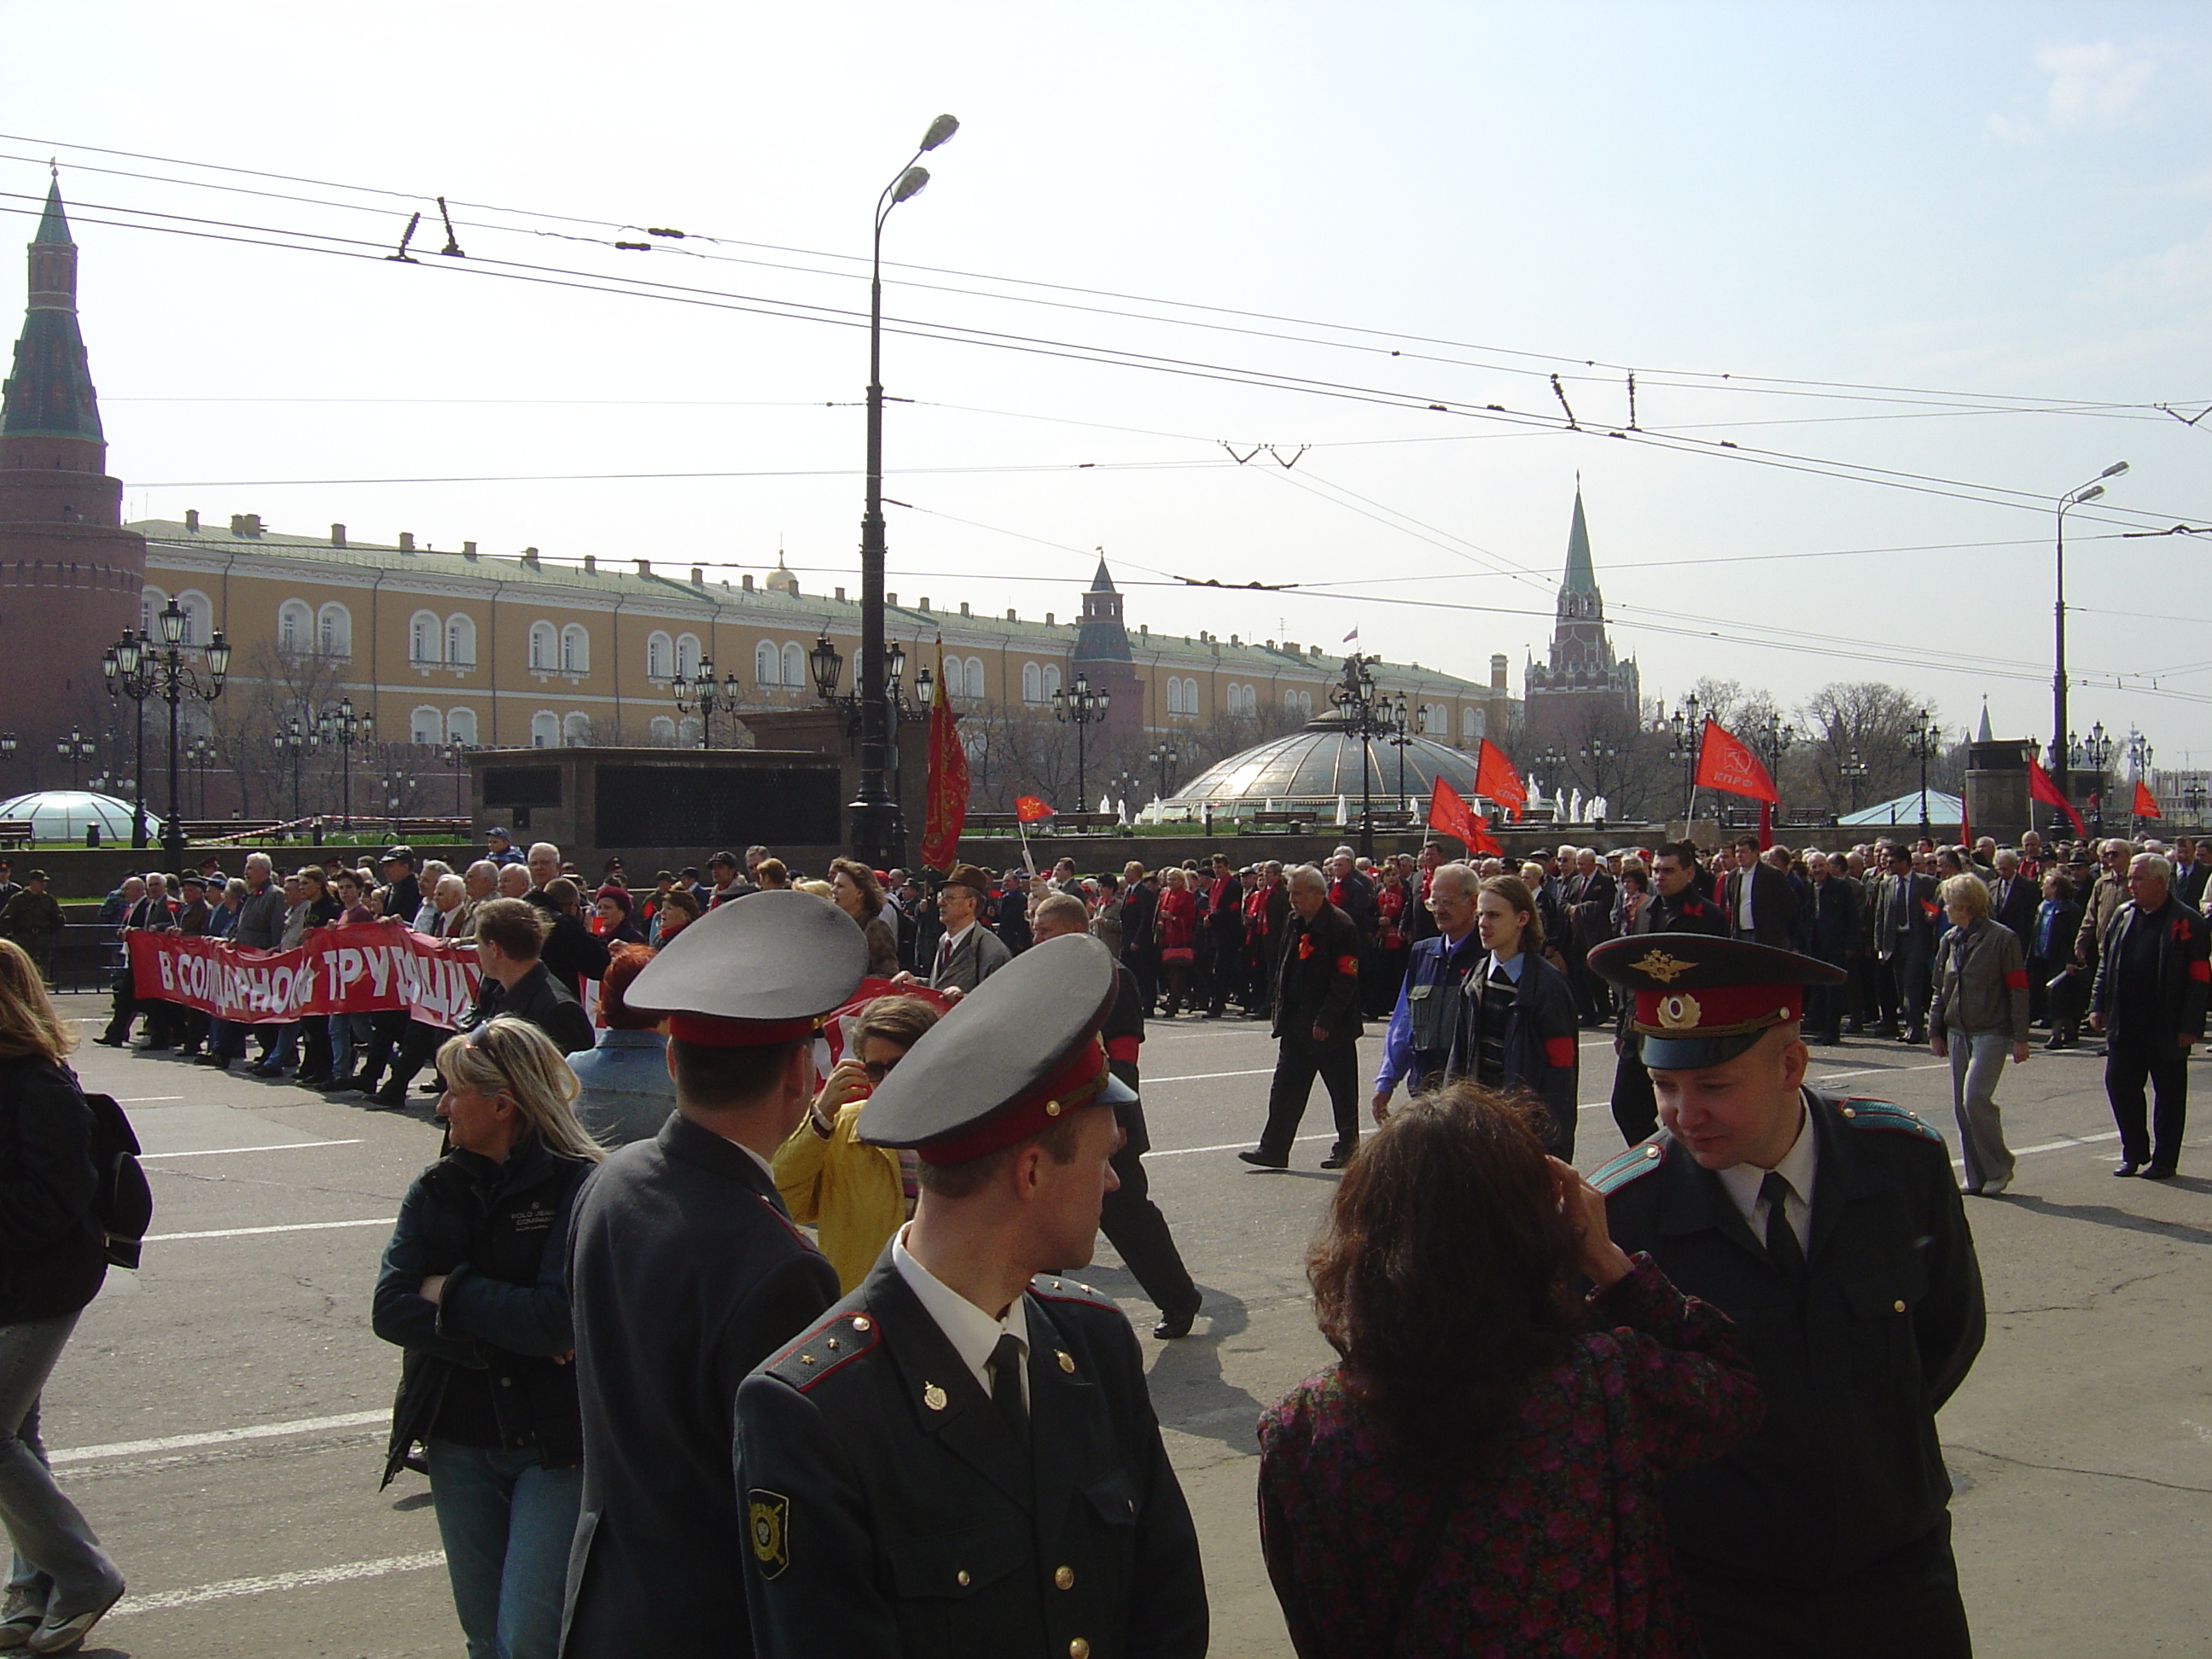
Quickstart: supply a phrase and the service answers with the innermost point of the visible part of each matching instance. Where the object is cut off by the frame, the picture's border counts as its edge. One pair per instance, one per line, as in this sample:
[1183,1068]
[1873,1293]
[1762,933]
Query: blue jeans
[58,1562]
[507,1522]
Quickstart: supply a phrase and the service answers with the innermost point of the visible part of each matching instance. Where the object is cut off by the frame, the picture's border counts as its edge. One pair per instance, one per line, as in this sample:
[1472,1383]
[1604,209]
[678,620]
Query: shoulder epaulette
[1862,1114]
[835,1340]
[1049,1288]
[1632,1164]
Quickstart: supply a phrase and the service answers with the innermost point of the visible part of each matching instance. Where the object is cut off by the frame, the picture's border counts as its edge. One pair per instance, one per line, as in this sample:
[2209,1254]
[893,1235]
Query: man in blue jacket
[1417,1043]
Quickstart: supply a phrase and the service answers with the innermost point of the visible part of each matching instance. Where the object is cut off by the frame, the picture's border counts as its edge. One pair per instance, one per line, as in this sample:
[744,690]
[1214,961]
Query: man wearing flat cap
[684,1272]
[961,1459]
[1830,1229]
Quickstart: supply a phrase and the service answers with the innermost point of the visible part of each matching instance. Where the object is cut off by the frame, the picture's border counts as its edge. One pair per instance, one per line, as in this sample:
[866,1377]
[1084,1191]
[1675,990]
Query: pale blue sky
[1997,201]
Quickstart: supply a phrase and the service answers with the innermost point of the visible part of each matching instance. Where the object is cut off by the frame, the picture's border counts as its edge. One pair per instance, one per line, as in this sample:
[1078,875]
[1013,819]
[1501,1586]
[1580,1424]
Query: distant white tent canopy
[1903,812]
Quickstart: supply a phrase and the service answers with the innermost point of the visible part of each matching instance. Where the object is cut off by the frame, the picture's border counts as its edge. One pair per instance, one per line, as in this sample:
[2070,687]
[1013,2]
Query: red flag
[1494,776]
[2040,787]
[2145,803]
[945,811]
[1726,764]
[1028,808]
[1449,815]
[1484,841]
[1765,824]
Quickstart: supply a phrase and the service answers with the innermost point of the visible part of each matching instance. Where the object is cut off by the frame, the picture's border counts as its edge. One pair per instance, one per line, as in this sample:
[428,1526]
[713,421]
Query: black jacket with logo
[481,1365]
[1318,986]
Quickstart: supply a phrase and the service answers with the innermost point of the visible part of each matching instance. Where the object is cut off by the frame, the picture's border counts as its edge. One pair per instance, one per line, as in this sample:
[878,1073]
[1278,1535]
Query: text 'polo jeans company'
[58,1562]
[1977,1060]
[506,1523]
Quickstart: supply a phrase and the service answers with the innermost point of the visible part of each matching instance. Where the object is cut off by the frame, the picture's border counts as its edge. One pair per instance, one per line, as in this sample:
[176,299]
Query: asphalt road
[220,1414]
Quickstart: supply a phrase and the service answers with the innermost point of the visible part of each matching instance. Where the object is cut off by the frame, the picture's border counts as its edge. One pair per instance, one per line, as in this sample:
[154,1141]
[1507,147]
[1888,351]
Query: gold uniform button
[1063,1577]
[860,1322]
[1650,1152]
[1898,1306]
[1079,1648]
[961,1578]
[1848,1112]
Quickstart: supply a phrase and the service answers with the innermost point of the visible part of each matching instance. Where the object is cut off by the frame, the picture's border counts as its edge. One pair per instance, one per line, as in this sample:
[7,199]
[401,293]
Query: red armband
[1348,965]
[1559,1052]
[2201,971]
[2017,980]
[1123,1048]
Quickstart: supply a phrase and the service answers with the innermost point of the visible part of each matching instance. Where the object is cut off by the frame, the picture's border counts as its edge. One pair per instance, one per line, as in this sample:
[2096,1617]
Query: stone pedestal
[1997,788]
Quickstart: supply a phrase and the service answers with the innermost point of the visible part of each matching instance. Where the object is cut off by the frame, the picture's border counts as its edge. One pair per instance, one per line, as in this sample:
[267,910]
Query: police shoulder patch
[1633,1164]
[768,1522]
[1883,1114]
[836,1339]
[1058,1287]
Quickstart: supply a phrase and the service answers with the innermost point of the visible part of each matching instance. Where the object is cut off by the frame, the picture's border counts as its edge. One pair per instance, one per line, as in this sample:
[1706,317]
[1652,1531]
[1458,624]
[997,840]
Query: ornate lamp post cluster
[2061,740]
[7,746]
[140,667]
[1686,729]
[200,755]
[2095,752]
[1927,738]
[76,748]
[699,694]
[457,759]
[343,727]
[827,664]
[1165,756]
[2139,757]
[1080,707]
[1367,715]
[1853,772]
[294,740]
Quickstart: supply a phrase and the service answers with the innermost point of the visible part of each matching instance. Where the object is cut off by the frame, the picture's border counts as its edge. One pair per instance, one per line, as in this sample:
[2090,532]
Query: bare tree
[1869,719]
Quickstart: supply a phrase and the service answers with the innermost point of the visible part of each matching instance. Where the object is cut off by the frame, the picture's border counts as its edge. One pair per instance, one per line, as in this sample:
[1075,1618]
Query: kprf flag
[1494,777]
[1028,809]
[2145,803]
[1450,815]
[2040,787]
[945,812]
[1725,763]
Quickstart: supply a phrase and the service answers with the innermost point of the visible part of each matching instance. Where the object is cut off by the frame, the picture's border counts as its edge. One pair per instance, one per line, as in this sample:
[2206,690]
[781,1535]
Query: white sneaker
[1992,1189]
[24,1613]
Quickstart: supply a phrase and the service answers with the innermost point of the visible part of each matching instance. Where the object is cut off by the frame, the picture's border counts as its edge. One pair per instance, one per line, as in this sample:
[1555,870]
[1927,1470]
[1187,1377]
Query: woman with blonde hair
[1979,1009]
[853,1194]
[474,1286]
[52,1258]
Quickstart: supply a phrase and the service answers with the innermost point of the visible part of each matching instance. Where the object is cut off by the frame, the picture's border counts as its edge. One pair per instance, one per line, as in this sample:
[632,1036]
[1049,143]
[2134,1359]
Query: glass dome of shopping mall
[1314,766]
[64,814]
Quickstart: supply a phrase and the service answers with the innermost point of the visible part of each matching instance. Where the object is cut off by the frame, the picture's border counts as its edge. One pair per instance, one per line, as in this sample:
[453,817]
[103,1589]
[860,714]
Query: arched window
[545,729]
[660,731]
[461,641]
[949,685]
[575,649]
[199,617]
[334,631]
[687,654]
[461,726]
[689,732]
[1032,683]
[976,677]
[295,627]
[1305,705]
[794,664]
[151,601]
[659,652]
[576,731]
[544,644]
[424,635]
[1051,680]
[767,666]
[425,727]
[1470,721]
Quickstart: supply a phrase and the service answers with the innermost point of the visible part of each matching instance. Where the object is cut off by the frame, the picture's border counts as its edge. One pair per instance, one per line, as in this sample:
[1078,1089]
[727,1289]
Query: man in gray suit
[970,953]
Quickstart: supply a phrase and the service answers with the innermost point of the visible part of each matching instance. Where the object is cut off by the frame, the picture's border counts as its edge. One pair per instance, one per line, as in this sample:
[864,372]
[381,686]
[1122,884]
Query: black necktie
[1782,1246]
[1006,1385]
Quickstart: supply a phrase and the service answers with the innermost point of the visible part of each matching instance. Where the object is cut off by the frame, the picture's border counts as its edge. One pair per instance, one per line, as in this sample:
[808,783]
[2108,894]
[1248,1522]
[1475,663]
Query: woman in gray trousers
[1979,1010]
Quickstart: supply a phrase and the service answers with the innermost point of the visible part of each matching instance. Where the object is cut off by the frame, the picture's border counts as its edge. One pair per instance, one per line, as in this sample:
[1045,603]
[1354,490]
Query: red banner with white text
[357,968]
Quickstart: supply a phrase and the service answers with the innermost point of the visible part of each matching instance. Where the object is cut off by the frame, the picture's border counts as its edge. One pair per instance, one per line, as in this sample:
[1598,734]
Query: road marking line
[217,1152]
[294,1227]
[1232,1146]
[219,1436]
[161,1600]
[141,1100]
[1874,1071]
[2061,1145]
[1205,1077]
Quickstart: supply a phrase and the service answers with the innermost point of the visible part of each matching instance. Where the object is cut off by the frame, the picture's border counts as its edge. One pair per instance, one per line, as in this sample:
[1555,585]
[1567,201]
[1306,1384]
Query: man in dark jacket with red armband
[2148,999]
[1317,1024]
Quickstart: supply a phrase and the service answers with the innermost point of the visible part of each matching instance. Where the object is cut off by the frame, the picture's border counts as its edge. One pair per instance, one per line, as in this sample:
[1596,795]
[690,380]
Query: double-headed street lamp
[397,788]
[2060,737]
[827,664]
[1367,715]
[879,829]
[1081,706]
[456,757]
[700,694]
[1853,772]
[199,755]
[1165,756]
[141,668]
[76,748]
[1401,739]
[2139,757]
[293,741]
[1686,730]
[7,746]
[342,727]
[1927,738]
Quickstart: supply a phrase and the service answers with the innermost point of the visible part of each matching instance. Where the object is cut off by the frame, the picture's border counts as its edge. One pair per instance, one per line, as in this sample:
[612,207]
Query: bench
[1287,824]
[1058,821]
[15,832]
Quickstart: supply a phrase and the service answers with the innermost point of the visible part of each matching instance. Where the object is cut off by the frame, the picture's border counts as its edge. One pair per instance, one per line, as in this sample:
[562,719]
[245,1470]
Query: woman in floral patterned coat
[1479,1473]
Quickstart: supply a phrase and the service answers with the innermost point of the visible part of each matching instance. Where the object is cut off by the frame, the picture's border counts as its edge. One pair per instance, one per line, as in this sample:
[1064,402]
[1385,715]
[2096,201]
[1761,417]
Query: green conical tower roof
[49,392]
[53,223]
[1582,578]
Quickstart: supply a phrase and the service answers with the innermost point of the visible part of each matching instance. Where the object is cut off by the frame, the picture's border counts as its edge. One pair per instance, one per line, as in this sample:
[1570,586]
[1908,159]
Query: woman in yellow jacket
[854,1195]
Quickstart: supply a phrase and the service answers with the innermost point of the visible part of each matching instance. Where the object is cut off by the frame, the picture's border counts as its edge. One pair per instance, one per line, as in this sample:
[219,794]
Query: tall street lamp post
[879,829]
[199,755]
[293,742]
[1401,737]
[76,748]
[456,757]
[1081,706]
[1853,773]
[162,668]
[345,728]
[2095,751]
[700,696]
[2059,757]
[1927,736]
[1366,716]
[1165,756]
[1687,729]
[2139,754]
[118,664]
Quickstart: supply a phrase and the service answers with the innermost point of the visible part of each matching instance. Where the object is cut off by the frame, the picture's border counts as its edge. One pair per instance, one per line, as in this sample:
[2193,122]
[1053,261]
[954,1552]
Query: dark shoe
[1971,1192]
[1338,1157]
[222,1060]
[2055,1040]
[190,1052]
[263,1068]
[2159,1171]
[416,1461]
[1887,1028]
[1917,1040]
[2128,1167]
[1260,1160]
[392,1097]
[66,1635]
[1853,1028]
[307,1082]
[1175,1323]
[110,1041]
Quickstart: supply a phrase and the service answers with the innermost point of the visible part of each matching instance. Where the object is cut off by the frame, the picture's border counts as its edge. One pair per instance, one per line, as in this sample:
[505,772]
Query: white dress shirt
[946,946]
[1744,899]
[972,1334]
[1797,1167]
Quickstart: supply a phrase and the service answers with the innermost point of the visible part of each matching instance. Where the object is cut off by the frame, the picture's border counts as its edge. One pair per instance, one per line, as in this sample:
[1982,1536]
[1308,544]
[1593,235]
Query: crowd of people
[1543,1413]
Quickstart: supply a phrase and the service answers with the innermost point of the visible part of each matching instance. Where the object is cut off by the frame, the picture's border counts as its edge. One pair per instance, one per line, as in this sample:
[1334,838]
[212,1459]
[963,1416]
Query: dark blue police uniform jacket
[684,1272]
[895,1513]
[1846,1468]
